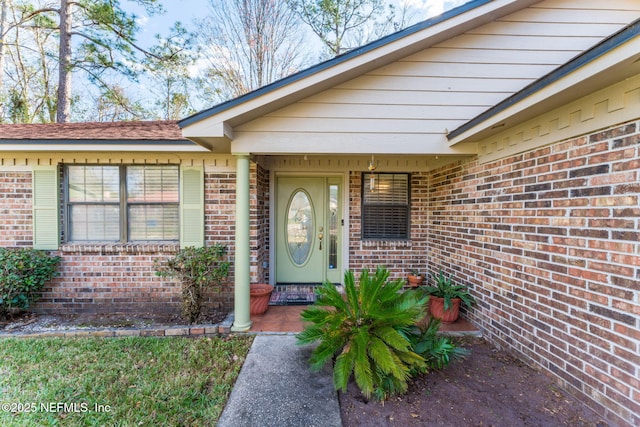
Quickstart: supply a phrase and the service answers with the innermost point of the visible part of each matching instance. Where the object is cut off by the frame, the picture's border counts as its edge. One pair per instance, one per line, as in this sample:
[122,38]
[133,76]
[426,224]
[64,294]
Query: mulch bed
[488,388]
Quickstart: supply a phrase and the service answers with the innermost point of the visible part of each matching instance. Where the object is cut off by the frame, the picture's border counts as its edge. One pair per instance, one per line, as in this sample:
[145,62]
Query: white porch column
[242,320]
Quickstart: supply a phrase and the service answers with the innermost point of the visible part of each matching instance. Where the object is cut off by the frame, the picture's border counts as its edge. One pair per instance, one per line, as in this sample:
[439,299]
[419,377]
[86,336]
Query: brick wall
[121,278]
[399,256]
[16,229]
[259,203]
[549,242]
[220,223]
[111,279]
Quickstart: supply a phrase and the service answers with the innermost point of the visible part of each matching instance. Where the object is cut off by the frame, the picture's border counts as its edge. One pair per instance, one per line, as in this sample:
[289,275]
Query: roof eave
[66,145]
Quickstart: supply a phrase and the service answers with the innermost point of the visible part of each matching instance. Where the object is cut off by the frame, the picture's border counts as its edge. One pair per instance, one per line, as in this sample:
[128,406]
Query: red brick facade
[549,242]
[111,279]
[259,217]
[219,223]
[121,278]
[16,217]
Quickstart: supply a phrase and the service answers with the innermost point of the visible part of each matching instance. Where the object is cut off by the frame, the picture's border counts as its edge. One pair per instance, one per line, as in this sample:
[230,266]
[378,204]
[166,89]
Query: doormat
[293,295]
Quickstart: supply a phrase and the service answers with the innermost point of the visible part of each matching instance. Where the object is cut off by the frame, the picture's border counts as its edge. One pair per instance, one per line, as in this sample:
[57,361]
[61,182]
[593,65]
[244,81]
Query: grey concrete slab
[276,388]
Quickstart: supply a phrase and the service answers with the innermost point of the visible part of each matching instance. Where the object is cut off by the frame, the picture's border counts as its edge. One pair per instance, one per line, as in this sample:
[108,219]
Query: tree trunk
[64,68]
[4,4]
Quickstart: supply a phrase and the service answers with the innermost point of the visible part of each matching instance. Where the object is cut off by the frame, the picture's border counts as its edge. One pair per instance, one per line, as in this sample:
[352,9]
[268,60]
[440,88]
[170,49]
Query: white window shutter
[46,224]
[191,206]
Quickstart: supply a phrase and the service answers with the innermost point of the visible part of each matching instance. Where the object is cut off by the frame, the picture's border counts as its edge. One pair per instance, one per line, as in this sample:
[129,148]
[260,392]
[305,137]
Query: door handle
[320,237]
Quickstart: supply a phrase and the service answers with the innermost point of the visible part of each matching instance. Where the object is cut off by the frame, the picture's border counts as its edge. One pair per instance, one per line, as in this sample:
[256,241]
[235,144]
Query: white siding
[440,88]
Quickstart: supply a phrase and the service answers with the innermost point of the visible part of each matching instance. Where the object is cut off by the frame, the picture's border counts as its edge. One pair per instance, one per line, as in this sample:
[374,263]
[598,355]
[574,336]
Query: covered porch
[286,319]
[308,218]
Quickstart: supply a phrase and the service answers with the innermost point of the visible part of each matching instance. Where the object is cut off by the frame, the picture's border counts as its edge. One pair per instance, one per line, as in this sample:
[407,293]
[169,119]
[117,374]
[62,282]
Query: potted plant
[415,278]
[259,296]
[445,298]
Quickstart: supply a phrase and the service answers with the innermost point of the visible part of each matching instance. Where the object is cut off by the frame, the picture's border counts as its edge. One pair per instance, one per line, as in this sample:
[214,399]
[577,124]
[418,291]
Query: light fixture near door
[372,175]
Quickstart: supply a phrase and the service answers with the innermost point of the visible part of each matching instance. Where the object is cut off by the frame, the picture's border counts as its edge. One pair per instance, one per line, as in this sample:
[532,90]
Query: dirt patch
[31,322]
[488,388]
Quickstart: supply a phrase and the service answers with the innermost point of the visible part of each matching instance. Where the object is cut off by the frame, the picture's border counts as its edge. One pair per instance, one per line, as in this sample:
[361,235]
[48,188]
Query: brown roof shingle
[167,130]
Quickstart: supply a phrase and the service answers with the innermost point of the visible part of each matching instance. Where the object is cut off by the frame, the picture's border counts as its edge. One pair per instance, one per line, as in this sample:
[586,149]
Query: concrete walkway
[276,388]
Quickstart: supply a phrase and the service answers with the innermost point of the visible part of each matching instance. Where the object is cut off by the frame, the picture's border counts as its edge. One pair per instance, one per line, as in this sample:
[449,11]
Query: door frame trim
[273,176]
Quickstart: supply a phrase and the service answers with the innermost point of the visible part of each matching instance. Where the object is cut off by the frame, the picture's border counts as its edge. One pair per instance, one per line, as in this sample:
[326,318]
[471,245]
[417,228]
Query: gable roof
[413,86]
[340,59]
[214,126]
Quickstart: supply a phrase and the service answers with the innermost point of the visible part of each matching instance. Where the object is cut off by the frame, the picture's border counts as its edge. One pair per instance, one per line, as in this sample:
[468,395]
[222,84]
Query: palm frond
[392,337]
[342,370]
[362,366]
[369,329]
[380,354]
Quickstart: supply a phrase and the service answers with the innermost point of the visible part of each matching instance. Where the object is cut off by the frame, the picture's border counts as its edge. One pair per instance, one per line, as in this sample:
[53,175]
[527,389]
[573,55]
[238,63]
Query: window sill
[119,248]
[373,243]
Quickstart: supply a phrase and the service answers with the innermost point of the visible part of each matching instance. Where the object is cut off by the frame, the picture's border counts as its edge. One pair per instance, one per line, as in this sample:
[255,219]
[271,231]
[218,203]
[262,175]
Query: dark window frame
[123,204]
[372,211]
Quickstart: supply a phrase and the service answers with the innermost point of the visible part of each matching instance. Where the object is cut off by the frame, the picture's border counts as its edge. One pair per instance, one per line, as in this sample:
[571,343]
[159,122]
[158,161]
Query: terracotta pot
[259,295]
[436,307]
[415,281]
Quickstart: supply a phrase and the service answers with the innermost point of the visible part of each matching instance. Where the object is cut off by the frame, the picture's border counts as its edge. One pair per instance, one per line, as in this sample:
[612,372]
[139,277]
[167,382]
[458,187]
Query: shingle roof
[128,131]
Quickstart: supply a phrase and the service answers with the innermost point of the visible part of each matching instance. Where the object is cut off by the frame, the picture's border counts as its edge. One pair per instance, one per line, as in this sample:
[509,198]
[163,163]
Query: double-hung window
[385,206]
[124,203]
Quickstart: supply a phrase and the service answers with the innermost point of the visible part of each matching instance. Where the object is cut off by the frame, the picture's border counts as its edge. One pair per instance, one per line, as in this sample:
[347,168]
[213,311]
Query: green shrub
[437,350]
[23,273]
[197,269]
[363,328]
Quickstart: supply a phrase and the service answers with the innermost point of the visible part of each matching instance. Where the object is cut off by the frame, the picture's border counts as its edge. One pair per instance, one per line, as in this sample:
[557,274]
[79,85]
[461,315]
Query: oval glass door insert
[300,226]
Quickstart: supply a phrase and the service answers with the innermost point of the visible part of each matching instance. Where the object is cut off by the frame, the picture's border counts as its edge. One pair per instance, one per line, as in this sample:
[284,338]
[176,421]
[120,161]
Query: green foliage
[438,351]
[18,107]
[340,24]
[363,328]
[445,288]
[168,66]
[198,269]
[23,273]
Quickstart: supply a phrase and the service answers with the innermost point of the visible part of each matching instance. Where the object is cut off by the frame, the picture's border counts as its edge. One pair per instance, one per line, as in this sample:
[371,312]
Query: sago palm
[363,330]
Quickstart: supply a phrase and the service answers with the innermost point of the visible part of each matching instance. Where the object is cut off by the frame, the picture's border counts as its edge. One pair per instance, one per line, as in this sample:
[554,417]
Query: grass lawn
[117,381]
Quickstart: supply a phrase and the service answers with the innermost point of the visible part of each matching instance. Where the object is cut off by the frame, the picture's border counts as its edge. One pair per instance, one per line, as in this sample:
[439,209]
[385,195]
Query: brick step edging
[222,328]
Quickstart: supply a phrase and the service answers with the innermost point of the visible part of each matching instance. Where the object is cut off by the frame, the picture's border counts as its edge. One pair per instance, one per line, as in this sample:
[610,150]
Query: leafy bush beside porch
[198,269]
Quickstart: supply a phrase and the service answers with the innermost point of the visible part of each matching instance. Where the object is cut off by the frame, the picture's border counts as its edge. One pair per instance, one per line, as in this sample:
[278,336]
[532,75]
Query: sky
[186,10]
